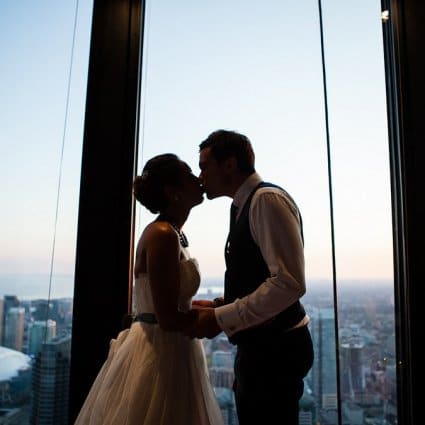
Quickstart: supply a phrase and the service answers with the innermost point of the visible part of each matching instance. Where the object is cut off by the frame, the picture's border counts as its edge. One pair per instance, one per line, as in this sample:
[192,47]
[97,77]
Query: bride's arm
[163,268]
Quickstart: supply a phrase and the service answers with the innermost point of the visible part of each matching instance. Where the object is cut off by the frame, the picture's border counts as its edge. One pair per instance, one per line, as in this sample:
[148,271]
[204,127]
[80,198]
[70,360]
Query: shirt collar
[245,190]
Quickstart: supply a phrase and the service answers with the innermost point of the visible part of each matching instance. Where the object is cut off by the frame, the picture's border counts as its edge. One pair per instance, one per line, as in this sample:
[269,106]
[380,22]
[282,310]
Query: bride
[154,374]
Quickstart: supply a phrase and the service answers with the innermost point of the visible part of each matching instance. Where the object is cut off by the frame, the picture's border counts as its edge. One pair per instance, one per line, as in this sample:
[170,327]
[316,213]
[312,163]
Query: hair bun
[159,171]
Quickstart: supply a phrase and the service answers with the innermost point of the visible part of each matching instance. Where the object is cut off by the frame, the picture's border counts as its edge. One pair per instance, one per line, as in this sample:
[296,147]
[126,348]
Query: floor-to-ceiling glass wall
[257,68]
[45,50]
[362,210]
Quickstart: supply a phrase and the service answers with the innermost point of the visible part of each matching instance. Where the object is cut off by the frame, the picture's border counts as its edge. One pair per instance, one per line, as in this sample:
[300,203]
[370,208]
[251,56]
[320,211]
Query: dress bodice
[154,376]
[189,283]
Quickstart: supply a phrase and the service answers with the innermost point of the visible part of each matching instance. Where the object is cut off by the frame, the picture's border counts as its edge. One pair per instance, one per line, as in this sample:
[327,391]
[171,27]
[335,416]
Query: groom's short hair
[225,144]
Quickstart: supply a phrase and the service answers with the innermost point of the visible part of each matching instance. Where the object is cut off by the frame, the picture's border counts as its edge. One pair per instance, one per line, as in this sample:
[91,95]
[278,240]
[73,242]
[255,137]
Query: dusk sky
[242,65]
[258,70]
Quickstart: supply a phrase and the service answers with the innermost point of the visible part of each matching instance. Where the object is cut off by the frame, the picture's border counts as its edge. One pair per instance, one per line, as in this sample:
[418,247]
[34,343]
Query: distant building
[222,377]
[13,336]
[352,375]
[41,309]
[6,303]
[324,380]
[1,320]
[222,359]
[226,402]
[40,331]
[49,404]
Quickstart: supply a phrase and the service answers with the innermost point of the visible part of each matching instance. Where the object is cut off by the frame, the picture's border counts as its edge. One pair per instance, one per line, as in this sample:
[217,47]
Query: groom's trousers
[269,376]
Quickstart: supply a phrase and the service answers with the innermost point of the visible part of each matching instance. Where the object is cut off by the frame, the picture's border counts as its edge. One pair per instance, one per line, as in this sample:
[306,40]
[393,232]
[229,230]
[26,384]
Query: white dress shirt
[275,227]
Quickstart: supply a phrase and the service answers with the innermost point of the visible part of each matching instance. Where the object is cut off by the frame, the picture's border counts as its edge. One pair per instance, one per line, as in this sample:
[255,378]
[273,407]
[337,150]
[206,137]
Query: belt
[146,318]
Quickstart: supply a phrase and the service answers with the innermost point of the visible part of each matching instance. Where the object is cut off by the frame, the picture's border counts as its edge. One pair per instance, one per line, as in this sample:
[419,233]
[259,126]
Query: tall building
[13,336]
[221,358]
[323,372]
[6,303]
[226,401]
[352,375]
[221,370]
[222,377]
[41,309]
[40,331]
[49,404]
[1,320]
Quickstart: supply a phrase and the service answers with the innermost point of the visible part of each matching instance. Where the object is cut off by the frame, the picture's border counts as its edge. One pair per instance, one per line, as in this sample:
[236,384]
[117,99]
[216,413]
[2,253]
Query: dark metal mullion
[402,330]
[334,279]
[137,32]
[104,236]
[404,35]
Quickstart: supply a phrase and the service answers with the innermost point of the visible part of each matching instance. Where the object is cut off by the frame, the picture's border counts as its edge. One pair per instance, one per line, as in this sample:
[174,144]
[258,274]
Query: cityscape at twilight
[36,341]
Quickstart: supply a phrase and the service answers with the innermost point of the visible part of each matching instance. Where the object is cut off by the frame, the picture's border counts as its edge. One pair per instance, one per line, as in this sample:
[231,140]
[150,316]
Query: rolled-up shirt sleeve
[275,227]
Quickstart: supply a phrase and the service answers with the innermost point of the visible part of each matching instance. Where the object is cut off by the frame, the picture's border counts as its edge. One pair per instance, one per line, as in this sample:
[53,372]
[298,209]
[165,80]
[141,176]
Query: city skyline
[366,342]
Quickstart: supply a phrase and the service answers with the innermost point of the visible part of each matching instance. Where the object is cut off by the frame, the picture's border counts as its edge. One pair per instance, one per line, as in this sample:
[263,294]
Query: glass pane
[43,77]
[362,205]
[256,70]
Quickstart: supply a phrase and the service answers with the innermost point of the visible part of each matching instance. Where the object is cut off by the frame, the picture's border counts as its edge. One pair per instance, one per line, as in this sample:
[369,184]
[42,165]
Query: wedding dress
[151,376]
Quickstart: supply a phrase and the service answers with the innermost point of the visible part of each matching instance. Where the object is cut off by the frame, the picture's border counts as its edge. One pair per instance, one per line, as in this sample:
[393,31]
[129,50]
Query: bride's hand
[205,324]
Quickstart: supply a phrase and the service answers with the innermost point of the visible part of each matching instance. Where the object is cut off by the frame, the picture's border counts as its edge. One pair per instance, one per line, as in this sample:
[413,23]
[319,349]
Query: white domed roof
[11,362]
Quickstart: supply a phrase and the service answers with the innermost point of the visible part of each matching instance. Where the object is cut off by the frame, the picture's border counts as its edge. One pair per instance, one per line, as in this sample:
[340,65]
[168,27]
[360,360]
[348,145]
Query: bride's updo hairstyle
[158,172]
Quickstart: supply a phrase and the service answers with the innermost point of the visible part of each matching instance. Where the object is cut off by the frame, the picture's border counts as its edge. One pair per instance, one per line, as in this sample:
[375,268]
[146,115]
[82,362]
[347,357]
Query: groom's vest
[246,270]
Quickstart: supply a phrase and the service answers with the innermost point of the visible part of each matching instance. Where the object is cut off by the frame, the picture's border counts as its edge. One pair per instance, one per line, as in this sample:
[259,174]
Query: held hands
[205,325]
[202,303]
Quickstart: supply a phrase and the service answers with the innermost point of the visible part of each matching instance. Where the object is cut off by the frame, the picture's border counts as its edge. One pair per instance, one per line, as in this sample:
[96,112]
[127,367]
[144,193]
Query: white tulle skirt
[152,377]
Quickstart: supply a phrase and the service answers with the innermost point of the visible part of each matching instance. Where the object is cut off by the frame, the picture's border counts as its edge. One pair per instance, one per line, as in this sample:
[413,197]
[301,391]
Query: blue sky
[256,69]
[35,41]
[243,65]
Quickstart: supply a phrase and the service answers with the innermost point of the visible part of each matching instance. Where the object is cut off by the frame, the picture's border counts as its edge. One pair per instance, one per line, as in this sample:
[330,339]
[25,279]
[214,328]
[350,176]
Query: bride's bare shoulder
[157,237]
[157,232]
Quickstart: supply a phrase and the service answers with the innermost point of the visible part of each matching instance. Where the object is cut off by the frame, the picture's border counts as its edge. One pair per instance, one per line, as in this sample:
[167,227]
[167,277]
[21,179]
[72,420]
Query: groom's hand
[205,325]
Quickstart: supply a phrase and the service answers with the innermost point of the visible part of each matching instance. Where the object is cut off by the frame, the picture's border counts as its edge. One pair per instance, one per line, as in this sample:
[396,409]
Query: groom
[264,280]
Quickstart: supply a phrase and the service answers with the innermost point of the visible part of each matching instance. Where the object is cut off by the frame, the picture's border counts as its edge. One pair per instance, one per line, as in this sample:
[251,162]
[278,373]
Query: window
[258,70]
[43,83]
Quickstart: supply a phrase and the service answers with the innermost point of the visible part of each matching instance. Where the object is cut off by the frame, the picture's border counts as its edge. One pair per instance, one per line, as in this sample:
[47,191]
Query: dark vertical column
[105,210]
[404,39]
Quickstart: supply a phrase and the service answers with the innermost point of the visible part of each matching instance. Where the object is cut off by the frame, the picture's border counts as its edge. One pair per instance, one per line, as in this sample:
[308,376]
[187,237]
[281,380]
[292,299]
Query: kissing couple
[156,371]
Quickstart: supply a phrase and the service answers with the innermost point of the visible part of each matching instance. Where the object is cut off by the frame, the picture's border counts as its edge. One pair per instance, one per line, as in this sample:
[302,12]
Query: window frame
[106,207]
[403,37]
